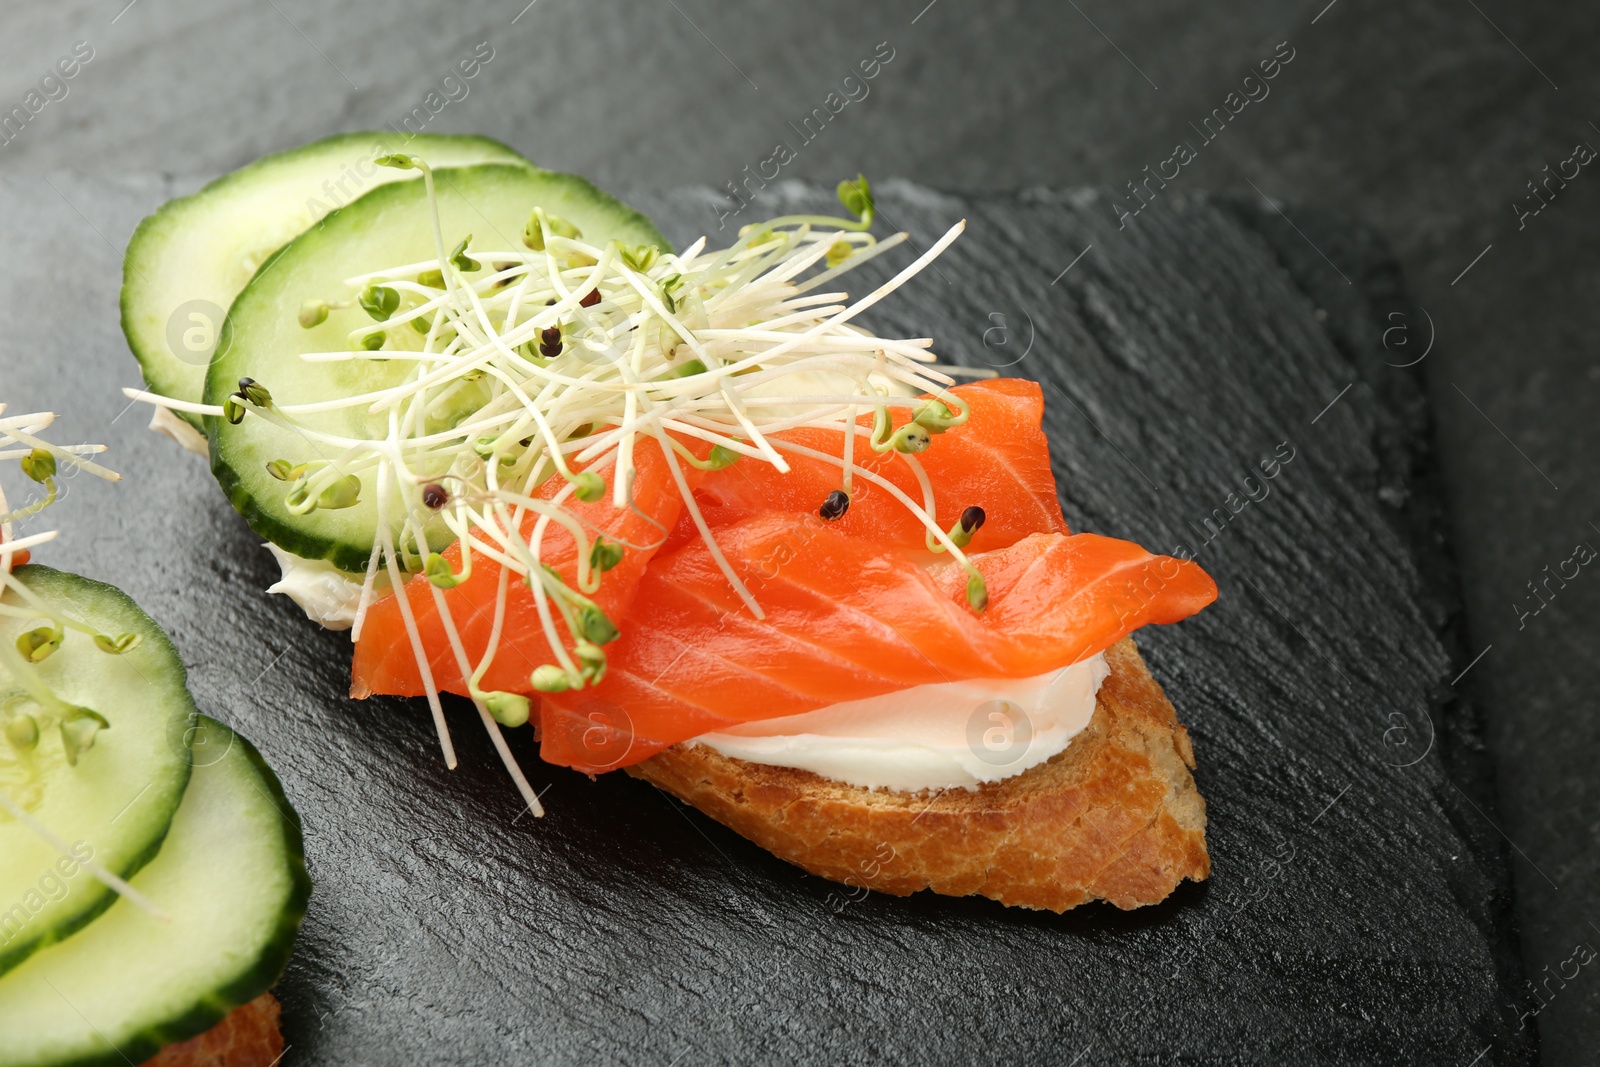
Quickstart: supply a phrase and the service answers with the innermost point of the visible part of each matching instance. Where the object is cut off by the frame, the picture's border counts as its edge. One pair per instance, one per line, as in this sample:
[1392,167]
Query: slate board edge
[1423,517]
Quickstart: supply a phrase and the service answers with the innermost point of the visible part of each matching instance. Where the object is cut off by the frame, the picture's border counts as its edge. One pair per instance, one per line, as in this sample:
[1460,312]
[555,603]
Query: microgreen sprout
[588,486]
[40,643]
[967,525]
[936,416]
[75,726]
[313,313]
[379,301]
[117,645]
[508,709]
[78,731]
[23,655]
[540,224]
[977,589]
[254,392]
[669,288]
[605,554]
[856,196]
[22,731]
[344,492]
[640,258]
[461,261]
[39,465]
[911,438]
[549,678]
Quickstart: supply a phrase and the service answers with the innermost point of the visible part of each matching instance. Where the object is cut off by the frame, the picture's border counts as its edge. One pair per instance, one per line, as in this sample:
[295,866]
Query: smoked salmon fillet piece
[999,460]
[383,658]
[847,619]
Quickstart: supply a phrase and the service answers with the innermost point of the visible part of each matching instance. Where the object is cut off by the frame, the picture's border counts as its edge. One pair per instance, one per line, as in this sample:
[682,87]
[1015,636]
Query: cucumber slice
[386,228]
[187,262]
[232,878]
[115,805]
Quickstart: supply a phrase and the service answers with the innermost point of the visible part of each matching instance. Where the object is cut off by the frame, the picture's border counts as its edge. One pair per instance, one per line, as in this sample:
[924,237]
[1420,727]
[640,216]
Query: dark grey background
[1425,119]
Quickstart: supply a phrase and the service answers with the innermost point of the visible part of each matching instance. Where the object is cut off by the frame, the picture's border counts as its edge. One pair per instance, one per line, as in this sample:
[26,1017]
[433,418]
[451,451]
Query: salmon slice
[383,658]
[847,619]
[999,460]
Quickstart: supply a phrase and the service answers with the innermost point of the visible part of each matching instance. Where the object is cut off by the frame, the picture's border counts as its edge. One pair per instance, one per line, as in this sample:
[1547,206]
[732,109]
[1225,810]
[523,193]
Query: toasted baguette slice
[247,1036]
[1114,817]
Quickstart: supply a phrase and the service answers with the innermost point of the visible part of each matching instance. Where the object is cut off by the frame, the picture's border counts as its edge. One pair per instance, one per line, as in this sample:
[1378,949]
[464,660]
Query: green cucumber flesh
[387,227]
[232,879]
[187,262]
[114,806]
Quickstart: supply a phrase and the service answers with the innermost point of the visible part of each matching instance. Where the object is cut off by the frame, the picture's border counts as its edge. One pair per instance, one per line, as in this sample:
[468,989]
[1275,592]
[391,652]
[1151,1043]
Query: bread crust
[248,1036]
[1114,817]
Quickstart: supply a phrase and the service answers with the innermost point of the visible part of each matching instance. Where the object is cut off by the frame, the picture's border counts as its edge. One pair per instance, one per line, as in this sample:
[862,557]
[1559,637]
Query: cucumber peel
[231,876]
[388,226]
[110,800]
[186,262]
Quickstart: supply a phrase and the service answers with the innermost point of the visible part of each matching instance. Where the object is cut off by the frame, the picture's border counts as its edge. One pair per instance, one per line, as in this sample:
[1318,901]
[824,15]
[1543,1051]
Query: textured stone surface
[1426,119]
[1357,913]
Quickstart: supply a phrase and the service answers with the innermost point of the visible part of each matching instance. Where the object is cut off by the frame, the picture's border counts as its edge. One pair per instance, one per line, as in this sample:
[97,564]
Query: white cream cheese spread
[328,595]
[938,736]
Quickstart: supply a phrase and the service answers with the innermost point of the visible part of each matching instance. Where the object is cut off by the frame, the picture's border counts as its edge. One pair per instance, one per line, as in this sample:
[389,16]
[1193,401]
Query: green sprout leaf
[669,291]
[592,660]
[23,732]
[343,493]
[683,370]
[39,464]
[977,590]
[39,644]
[254,392]
[313,313]
[588,486]
[936,416]
[550,678]
[397,160]
[379,301]
[856,196]
[967,525]
[605,554]
[595,626]
[534,234]
[464,263]
[433,279]
[840,251]
[911,438]
[119,644]
[640,257]
[373,341]
[233,409]
[439,573]
[281,469]
[78,732]
[508,709]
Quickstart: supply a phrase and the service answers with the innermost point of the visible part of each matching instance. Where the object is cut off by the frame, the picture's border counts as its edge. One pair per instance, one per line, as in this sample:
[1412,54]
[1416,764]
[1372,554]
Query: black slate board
[1358,910]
